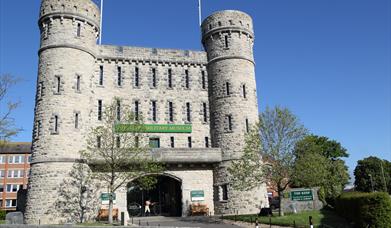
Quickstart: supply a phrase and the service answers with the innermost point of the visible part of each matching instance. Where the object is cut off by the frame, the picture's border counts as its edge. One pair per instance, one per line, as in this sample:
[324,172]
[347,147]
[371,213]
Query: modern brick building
[200,104]
[15,160]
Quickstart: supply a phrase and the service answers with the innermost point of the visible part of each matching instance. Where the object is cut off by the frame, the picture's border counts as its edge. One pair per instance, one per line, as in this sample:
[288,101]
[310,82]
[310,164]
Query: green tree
[116,157]
[373,171]
[7,106]
[318,164]
[268,155]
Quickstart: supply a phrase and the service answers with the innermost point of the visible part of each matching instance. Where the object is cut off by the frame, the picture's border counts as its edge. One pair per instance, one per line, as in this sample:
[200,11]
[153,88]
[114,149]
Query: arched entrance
[165,195]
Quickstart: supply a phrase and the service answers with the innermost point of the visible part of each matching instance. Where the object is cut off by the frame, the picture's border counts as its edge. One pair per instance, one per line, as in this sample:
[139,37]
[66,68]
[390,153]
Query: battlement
[155,55]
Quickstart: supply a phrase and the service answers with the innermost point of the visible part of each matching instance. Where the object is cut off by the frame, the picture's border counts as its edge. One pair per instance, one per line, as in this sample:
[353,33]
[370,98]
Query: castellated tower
[69,30]
[228,39]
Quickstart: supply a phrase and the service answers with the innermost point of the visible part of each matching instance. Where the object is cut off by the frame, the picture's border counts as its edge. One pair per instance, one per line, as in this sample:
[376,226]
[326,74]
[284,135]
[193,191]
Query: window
[244,91]
[154,118]
[204,111]
[99,109]
[226,41]
[1,188]
[154,78]
[76,120]
[136,141]
[98,141]
[119,76]
[10,203]
[203,80]
[187,79]
[227,89]
[118,110]
[224,191]
[229,118]
[247,126]
[219,23]
[78,29]
[188,114]
[100,75]
[207,142]
[78,83]
[58,84]
[154,143]
[29,159]
[118,142]
[2,159]
[10,173]
[172,142]
[136,110]
[56,124]
[170,111]
[136,77]
[169,79]
[189,144]
[2,174]
[12,187]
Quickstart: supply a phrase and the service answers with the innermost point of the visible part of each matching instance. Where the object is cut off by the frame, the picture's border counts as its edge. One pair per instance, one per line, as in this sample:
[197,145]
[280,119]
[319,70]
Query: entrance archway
[166,197]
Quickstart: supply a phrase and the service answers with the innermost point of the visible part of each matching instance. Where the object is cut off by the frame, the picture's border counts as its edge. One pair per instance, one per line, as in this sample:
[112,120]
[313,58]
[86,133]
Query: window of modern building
[170,111]
[207,142]
[118,110]
[226,41]
[154,143]
[154,80]
[154,114]
[244,91]
[100,109]
[78,83]
[1,188]
[224,191]
[10,203]
[2,173]
[227,88]
[169,78]
[12,187]
[229,119]
[2,159]
[188,112]
[98,141]
[76,120]
[29,159]
[100,75]
[136,110]
[247,126]
[187,79]
[78,32]
[136,77]
[203,80]
[172,141]
[189,143]
[205,112]
[119,76]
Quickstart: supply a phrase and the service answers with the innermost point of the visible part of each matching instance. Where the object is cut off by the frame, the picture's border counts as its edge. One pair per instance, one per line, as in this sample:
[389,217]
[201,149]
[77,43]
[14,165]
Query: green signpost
[153,128]
[197,195]
[302,195]
[106,196]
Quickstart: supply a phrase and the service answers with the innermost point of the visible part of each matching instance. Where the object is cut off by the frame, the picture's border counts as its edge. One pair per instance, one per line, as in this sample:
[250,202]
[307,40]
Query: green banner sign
[153,128]
[197,195]
[302,195]
[106,196]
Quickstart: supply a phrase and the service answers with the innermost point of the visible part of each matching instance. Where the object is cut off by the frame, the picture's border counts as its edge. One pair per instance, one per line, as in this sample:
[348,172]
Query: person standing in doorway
[147,208]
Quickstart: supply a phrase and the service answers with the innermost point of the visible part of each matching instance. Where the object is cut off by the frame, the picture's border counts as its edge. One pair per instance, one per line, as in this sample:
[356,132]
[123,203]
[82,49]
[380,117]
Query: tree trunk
[110,209]
[280,210]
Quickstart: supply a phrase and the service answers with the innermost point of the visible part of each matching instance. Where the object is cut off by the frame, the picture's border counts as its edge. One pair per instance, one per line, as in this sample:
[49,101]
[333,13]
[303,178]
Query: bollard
[132,220]
[256,223]
[123,218]
[270,221]
[39,221]
[139,222]
[147,223]
[311,223]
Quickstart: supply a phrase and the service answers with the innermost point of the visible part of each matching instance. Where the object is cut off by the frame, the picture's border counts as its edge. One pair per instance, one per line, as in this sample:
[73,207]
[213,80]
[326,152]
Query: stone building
[212,94]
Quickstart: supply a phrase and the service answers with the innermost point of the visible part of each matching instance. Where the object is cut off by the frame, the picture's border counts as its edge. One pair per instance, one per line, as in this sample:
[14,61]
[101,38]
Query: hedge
[2,215]
[365,209]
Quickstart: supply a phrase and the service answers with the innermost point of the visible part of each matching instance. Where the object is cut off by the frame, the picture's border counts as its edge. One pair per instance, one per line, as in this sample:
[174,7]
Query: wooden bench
[104,214]
[199,209]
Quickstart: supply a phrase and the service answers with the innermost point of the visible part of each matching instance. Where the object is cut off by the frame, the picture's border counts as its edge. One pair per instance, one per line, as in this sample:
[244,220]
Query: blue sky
[329,61]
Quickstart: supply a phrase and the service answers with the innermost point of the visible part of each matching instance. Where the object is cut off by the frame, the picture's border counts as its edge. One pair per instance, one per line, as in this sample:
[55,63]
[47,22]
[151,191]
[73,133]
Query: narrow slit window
[119,76]
[204,110]
[169,79]
[137,142]
[203,80]
[76,120]
[247,126]
[187,79]
[55,123]
[229,117]
[136,110]
[244,91]
[226,41]
[207,142]
[118,142]
[224,189]
[170,111]
[100,75]
[118,110]
[172,142]
[188,112]
[99,109]
[189,144]
[78,33]
[136,77]
[154,118]
[154,78]
[78,83]
[227,88]
[98,141]
[58,84]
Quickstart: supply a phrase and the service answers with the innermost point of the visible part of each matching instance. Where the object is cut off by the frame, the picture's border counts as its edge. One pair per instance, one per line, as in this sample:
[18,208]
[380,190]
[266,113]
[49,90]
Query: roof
[15,147]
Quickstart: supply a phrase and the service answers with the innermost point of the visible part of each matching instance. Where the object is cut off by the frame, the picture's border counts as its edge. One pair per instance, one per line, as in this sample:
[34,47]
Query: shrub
[2,215]
[365,209]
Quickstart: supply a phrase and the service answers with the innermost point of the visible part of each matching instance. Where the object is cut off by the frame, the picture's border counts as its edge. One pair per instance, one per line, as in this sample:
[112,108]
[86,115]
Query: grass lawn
[323,218]
[2,221]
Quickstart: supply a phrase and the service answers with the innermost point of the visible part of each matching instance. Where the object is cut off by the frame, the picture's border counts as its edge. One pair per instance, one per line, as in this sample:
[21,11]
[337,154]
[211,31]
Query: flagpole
[101,22]
[199,12]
